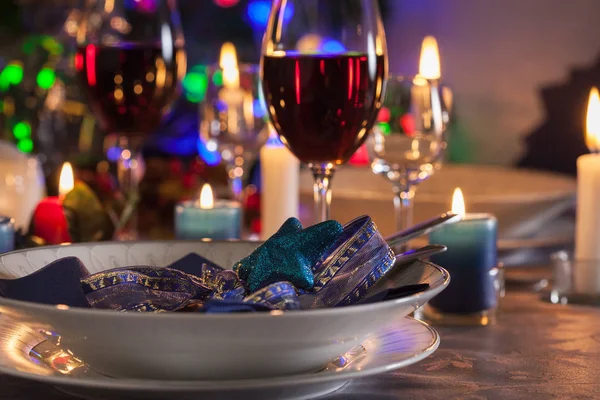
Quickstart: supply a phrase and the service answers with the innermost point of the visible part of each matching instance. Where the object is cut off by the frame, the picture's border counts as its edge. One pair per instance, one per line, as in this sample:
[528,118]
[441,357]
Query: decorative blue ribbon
[343,264]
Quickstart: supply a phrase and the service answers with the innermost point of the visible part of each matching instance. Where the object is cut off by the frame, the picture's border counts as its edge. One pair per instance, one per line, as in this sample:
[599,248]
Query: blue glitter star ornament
[289,255]
[245,266]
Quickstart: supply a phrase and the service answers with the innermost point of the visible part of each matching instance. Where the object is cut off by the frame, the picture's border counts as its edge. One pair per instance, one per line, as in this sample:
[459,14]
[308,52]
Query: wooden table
[535,351]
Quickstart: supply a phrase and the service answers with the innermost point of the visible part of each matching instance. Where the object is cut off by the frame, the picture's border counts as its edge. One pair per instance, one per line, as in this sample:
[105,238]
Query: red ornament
[79,62]
[189,180]
[175,166]
[361,157]
[384,115]
[198,166]
[252,202]
[407,122]
[255,226]
[49,221]
[226,3]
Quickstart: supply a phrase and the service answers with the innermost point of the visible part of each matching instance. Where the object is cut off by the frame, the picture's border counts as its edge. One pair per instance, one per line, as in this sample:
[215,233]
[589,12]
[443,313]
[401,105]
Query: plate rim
[172,386]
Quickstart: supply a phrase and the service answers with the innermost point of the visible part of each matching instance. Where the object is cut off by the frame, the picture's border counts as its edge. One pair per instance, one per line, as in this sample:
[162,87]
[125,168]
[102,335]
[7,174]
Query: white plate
[177,345]
[404,343]
[522,200]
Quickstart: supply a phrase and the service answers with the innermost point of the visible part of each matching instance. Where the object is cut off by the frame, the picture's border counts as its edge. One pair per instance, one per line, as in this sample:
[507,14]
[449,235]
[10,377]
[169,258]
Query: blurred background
[502,57]
[520,71]
[498,56]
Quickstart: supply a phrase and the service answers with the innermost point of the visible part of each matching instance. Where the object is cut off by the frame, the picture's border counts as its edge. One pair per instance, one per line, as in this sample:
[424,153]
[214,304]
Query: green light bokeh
[385,128]
[45,78]
[25,145]
[22,130]
[12,74]
[218,78]
[195,85]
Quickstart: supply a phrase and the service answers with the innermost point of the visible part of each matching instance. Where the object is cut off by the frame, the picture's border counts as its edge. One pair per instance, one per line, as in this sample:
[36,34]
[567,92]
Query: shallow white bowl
[186,346]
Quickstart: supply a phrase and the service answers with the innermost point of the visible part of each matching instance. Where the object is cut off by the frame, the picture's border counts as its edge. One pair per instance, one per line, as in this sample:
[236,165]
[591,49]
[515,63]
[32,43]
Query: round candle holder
[7,234]
[459,311]
[222,221]
[562,290]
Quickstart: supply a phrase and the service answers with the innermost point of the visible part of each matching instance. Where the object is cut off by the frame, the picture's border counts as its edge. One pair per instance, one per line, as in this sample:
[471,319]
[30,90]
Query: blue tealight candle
[208,219]
[7,234]
[471,256]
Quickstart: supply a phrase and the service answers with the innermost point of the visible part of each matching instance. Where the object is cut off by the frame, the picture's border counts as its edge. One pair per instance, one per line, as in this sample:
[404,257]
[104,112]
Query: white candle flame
[228,62]
[592,122]
[66,182]
[458,202]
[206,197]
[429,63]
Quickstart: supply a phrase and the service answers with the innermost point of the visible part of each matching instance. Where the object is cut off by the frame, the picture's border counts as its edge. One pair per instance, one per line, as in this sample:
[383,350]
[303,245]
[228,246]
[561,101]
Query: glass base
[573,298]
[433,316]
[564,288]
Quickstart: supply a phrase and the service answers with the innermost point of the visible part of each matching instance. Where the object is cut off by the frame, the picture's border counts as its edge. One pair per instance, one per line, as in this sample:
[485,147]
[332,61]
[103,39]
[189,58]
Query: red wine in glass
[129,86]
[323,105]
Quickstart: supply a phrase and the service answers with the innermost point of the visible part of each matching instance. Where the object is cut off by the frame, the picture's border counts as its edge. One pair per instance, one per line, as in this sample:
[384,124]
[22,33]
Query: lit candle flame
[228,62]
[458,202]
[592,122]
[429,63]
[206,197]
[66,182]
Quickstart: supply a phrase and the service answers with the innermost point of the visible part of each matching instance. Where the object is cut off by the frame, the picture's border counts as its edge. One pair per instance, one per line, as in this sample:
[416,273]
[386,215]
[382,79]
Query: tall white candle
[279,186]
[586,273]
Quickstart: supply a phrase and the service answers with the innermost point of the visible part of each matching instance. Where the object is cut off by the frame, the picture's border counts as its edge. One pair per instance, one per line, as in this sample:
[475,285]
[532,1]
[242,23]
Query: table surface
[535,350]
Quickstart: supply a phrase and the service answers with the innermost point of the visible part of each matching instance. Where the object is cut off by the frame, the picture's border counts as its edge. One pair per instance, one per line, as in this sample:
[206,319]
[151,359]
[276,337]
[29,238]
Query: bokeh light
[332,46]
[209,157]
[218,78]
[25,145]
[258,12]
[226,3]
[22,130]
[195,83]
[45,78]
[385,128]
[12,74]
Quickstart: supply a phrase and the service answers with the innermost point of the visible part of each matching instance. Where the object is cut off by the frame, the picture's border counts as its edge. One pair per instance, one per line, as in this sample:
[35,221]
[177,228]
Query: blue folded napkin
[57,283]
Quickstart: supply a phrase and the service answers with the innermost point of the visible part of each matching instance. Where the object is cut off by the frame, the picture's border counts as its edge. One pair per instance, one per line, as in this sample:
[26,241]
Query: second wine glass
[130,60]
[233,115]
[409,140]
[323,70]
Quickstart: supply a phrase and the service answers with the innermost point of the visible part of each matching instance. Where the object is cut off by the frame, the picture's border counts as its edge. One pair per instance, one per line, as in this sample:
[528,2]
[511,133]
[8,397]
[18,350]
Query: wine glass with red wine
[130,60]
[323,71]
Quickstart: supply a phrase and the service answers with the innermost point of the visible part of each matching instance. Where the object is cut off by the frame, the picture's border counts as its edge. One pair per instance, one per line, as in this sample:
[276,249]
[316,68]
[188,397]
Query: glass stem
[236,183]
[128,174]
[404,194]
[322,191]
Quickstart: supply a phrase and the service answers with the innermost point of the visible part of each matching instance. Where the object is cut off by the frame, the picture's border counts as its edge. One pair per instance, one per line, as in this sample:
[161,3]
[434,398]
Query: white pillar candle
[279,186]
[586,273]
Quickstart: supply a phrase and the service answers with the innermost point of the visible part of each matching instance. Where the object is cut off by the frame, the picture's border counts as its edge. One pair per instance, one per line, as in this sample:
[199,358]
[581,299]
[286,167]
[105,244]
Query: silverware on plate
[423,228]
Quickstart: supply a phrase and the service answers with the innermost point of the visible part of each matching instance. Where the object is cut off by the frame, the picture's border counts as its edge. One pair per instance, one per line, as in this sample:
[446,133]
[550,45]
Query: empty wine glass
[233,115]
[409,139]
[129,61]
[323,70]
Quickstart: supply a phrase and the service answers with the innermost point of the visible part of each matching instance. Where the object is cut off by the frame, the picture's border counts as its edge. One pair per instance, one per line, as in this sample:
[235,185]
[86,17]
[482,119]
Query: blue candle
[472,254]
[7,234]
[208,219]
